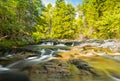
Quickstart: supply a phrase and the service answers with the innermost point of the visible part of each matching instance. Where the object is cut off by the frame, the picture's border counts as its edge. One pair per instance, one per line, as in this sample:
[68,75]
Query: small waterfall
[31,61]
[60,50]
[47,44]
[9,56]
[43,44]
[52,52]
[73,44]
[17,64]
[32,57]
[3,68]
[39,60]
[27,62]
[60,45]
[42,52]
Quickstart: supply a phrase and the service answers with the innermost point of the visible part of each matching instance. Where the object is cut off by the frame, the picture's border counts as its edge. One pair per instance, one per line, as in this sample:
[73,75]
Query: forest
[27,21]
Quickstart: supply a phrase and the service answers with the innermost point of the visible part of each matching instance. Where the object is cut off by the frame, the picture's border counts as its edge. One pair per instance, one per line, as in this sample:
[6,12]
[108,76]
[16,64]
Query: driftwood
[3,37]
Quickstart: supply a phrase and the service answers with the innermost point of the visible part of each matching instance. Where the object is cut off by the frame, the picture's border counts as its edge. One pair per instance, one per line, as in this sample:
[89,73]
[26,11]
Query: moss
[104,66]
[73,69]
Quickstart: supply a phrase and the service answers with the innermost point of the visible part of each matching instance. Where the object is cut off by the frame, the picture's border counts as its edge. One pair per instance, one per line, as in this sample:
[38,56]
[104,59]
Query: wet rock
[47,40]
[57,55]
[4,61]
[72,43]
[59,69]
[51,67]
[82,65]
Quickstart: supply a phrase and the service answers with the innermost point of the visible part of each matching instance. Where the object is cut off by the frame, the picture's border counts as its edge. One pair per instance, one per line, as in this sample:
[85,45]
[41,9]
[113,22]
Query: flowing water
[105,61]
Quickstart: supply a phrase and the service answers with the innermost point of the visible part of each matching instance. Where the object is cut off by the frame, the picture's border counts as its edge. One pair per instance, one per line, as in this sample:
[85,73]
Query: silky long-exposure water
[103,56]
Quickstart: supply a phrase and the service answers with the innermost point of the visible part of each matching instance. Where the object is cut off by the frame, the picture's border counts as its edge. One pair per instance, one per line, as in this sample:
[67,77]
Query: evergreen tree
[44,26]
[101,18]
[63,17]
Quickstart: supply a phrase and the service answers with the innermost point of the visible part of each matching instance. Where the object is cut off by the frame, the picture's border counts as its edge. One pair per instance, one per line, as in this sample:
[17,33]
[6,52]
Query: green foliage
[63,21]
[101,18]
[7,43]
[57,22]
[44,26]
[17,18]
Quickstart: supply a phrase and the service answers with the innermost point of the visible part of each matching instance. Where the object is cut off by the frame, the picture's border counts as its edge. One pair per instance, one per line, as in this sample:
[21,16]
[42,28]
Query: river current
[103,55]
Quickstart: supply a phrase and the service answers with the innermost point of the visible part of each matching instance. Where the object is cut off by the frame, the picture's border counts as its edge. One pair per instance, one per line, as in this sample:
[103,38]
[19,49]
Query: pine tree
[102,18]
[63,17]
[44,26]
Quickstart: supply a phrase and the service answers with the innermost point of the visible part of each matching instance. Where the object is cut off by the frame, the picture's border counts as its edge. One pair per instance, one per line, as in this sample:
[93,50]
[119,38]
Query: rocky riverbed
[90,60]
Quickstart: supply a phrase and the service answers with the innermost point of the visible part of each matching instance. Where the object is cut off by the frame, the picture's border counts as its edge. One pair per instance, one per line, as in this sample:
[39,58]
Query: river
[103,55]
